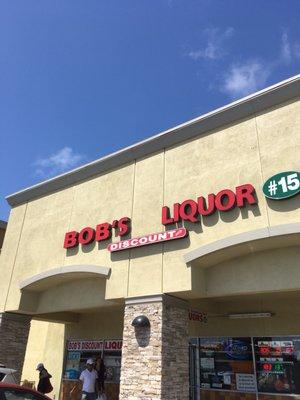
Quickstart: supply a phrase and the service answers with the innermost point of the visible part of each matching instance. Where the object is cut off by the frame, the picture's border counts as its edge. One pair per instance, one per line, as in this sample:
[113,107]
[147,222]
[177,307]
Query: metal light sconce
[141,322]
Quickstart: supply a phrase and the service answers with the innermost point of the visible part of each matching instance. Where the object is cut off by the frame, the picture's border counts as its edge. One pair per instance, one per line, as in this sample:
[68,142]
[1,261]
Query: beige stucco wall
[46,345]
[246,152]
[105,324]
[285,319]
[267,271]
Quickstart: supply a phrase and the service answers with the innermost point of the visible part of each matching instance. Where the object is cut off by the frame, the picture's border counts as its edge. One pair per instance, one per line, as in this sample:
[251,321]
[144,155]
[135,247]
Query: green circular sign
[282,185]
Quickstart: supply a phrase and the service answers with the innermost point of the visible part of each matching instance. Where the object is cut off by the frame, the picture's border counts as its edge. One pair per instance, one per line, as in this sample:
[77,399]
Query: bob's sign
[101,232]
[189,210]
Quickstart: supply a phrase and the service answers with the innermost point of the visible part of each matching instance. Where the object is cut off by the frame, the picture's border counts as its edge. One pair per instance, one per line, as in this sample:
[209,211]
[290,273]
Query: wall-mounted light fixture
[140,321]
[250,315]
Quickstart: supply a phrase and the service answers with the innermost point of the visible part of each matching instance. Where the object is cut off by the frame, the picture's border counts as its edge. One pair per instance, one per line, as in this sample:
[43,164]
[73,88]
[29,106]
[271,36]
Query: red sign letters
[225,200]
[189,210]
[102,232]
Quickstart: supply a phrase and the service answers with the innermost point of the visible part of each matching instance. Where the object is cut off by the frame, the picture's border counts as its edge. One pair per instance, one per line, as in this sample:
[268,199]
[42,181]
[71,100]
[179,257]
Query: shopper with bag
[44,385]
[101,371]
[89,379]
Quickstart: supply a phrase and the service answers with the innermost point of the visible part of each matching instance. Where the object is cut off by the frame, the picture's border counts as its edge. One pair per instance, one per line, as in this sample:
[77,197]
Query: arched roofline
[55,276]
[245,243]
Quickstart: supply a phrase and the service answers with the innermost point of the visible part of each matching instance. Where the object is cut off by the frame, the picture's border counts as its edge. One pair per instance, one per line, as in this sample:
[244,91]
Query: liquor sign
[282,185]
[225,200]
[112,345]
[148,239]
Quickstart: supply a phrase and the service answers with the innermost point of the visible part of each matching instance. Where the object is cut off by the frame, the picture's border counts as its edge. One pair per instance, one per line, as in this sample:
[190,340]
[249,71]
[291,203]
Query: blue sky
[81,79]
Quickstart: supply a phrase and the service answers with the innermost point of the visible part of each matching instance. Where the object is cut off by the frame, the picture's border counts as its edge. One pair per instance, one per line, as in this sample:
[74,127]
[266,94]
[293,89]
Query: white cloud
[245,78]
[252,75]
[285,49]
[57,163]
[289,51]
[214,48]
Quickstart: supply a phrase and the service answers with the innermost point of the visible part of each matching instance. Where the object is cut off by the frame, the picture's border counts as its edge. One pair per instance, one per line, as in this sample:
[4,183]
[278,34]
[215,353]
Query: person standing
[44,385]
[101,371]
[89,378]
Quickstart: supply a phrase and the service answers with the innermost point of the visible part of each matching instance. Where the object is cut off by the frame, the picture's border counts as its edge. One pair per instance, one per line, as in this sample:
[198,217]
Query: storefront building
[196,232]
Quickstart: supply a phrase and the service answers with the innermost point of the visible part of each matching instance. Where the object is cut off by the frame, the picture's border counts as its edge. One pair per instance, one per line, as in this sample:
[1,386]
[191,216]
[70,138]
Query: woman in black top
[44,385]
[101,371]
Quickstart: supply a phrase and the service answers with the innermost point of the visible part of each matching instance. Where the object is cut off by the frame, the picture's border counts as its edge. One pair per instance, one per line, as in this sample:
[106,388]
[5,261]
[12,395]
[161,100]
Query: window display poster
[245,382]
[207,363]
[227,348]
[222,359]
[113,368]
[278,364]
[73,365]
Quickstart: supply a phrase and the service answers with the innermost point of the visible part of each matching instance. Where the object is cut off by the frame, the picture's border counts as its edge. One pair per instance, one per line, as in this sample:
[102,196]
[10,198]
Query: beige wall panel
[148,195]
[224,159]
[41,243]
[176,274]
[272,270]
[279,138]
[77,295]
[117,284]
[285,321]
[46,345]
[103,325]
[145,275]
[103,199]
[9,250]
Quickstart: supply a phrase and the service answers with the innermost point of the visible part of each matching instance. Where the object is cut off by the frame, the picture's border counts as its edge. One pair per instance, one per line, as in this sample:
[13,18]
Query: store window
[78,352]
[278,364]
[227,363]
[245,367]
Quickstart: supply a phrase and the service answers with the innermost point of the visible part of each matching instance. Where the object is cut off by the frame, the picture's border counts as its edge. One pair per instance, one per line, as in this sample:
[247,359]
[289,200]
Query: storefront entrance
[245,368]
[76,354]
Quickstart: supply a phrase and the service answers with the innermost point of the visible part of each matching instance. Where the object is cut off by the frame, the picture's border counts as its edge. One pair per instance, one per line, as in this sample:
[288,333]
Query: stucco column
[14,331]
[155,361]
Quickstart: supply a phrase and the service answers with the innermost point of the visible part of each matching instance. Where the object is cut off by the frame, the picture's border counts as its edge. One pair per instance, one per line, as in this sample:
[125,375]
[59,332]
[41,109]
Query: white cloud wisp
[214,48]
[285,49]
[289,51]
[245,78]
[57,163]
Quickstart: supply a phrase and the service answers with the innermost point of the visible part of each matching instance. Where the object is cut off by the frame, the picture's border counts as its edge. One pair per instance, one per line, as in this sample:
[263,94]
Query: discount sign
[282,185]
